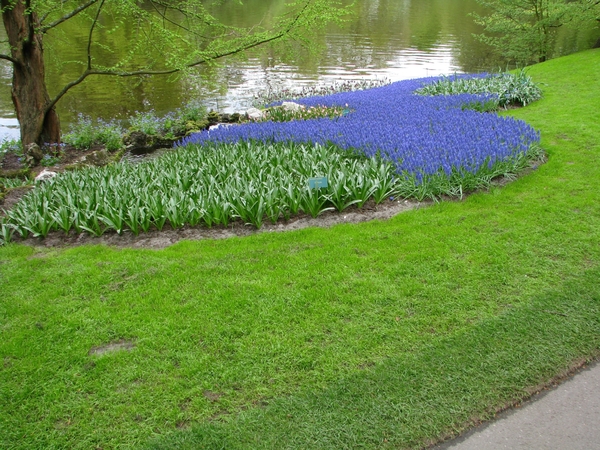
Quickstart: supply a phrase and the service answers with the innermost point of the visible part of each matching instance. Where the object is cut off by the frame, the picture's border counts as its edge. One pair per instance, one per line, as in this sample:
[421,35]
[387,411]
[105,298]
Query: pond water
[386,39]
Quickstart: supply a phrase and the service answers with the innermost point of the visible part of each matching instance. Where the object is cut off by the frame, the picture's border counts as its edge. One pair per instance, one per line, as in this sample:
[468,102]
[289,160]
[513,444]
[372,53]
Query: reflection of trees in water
[104,97]
[379,32]
[384,28]
[570,40]
[376,34]
[6,106]
[473,55]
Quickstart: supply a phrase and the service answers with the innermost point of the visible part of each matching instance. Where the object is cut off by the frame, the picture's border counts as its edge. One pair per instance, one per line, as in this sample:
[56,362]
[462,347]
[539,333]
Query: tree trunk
[29,93]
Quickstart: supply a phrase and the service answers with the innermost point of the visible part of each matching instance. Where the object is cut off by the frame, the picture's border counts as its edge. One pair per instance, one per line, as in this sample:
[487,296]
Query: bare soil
[111,347]
[12,197]
[11,161]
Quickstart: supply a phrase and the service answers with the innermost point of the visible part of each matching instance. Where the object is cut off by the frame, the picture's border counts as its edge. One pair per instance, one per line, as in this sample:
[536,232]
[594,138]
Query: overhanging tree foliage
[169,36]
[524,31]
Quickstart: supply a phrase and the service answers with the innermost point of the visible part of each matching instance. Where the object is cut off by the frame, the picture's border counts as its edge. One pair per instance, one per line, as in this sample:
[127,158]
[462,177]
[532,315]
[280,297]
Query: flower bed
[421,135]
[388,142]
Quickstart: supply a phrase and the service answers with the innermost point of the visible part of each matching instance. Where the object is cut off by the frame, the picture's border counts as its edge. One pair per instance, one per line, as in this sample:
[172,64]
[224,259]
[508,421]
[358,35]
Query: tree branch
[89,47]
[297,18]
[66,17]
[192,64]
[195,16]
[65,89]
[9,58]
[89,71]
[172,22]
[45,16]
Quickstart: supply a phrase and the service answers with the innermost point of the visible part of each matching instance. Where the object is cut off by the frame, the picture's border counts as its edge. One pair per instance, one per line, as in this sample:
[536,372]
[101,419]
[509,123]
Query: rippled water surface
[392,39]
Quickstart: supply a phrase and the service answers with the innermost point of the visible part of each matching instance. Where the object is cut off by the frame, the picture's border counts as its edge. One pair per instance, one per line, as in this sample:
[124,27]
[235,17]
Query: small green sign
[317,182]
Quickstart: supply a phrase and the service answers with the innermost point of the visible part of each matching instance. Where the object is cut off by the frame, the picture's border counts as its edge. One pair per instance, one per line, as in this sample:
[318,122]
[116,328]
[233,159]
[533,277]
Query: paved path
[564,418]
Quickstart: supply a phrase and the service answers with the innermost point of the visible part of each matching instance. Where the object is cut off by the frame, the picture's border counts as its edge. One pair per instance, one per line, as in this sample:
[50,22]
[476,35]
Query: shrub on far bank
[191,117]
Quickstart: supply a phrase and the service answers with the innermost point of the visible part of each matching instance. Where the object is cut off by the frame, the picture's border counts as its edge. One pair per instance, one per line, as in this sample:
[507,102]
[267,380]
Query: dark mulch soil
[12,197]
[68,155]
[11,161]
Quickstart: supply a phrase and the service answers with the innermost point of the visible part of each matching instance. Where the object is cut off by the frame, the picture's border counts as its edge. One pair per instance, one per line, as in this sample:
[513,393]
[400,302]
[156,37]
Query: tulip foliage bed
[393,142]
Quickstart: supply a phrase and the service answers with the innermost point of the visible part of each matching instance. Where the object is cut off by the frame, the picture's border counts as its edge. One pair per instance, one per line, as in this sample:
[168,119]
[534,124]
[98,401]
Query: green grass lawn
[379,335]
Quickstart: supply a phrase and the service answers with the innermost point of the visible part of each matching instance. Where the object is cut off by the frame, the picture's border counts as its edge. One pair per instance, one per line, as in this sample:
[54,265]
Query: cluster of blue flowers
[421,135]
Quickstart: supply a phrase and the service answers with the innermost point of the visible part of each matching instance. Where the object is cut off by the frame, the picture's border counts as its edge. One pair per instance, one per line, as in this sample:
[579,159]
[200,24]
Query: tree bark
[29,92]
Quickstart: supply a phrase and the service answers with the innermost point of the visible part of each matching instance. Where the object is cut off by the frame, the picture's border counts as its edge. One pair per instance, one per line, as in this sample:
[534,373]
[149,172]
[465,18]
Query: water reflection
[9,128]
[393,39]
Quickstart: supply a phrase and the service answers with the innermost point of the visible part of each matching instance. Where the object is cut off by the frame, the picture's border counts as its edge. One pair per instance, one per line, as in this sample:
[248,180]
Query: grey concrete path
[564,418]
